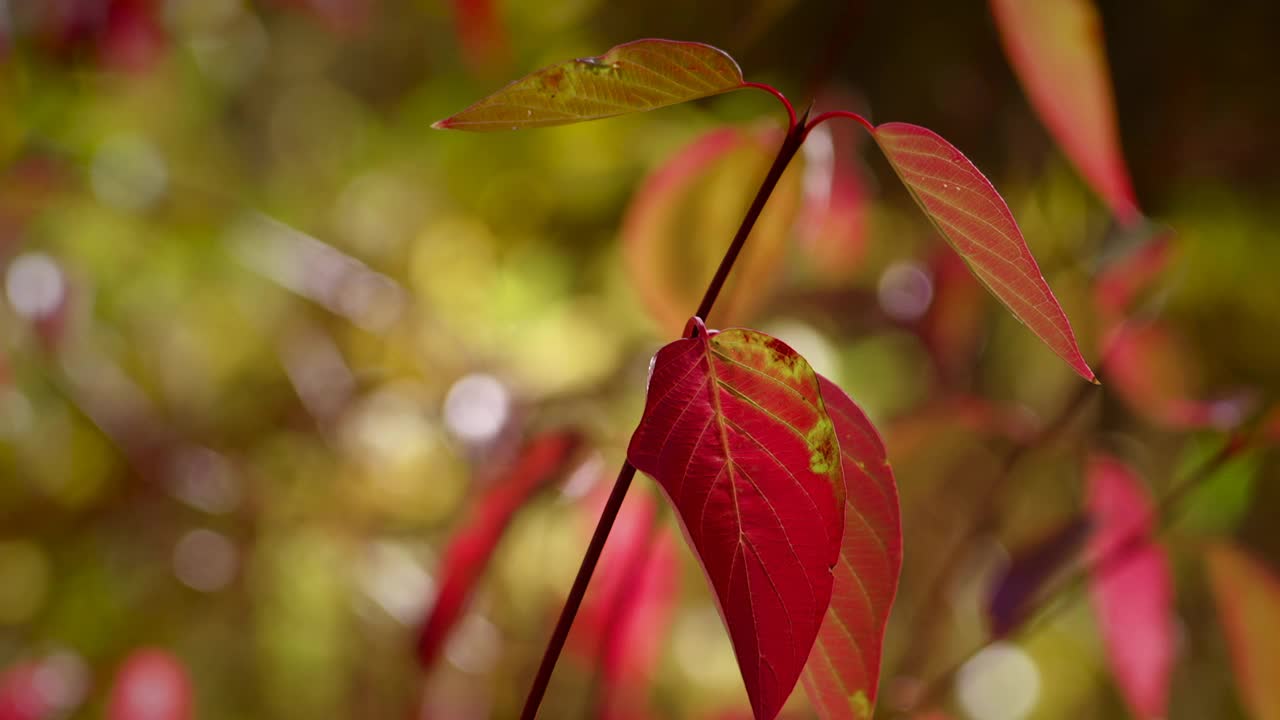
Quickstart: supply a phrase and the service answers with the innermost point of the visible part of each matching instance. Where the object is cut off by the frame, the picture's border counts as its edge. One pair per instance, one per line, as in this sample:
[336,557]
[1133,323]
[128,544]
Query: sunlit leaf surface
[972,216]
[634,77]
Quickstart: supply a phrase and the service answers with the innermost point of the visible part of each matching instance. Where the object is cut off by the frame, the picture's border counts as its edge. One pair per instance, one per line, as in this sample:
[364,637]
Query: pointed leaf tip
[736,433]
[968,211]
[633,77]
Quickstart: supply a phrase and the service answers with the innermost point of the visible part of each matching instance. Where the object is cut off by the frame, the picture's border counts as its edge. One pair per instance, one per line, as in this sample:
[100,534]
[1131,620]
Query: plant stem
[790,145]
[579,590]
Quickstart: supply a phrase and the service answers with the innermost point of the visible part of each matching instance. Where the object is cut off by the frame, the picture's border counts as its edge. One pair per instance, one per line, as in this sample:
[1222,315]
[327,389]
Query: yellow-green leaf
[634,77]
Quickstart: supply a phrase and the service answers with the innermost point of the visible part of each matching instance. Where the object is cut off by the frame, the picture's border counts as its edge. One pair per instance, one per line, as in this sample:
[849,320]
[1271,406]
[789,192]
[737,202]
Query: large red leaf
[634,77]
[1248,599]
[972,216]
[676,227]
[151,684]
[1055,47]
[1131,586]
[543,459]
[735,432]
[844,666]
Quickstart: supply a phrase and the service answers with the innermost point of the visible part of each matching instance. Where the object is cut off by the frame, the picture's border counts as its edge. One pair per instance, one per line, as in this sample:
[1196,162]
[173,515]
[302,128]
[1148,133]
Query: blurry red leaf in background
[625,617]
[735,432]
[1248,598]
[843,672]
[481,34]
[1056,49]
[974,219]
[678,223]
[20,695]
[151,684]
[1131,586]
[832,225]
[543,459]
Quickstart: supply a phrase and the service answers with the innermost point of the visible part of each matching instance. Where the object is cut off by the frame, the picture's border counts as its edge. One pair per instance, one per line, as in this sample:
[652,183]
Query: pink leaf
[679,222]
[542,459]
[1248,597]
[151,684]
[843,671]
[831,228]
[628,610]
[1055,47]
[972,216]
[1131,587]
[735,432]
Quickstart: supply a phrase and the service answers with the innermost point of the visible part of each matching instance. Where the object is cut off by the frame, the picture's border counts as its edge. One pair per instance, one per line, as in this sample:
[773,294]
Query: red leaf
[675,229]
[735,432]
[843,671]
[972,216]
[542,459]
[1055,47]
[1248,597]
[150,685]
[832,225]
[624,618]
[633,77]
[480,32]
[1131,587]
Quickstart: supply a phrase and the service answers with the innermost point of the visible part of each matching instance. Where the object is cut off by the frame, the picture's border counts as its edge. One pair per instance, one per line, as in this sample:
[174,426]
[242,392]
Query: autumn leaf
[634,77]
[1055,47]
[1131,586]
[843,671]
[625,617]
[541,460]
[736,433]
[1248,598]
[832,225]
[972,216]
[680,219]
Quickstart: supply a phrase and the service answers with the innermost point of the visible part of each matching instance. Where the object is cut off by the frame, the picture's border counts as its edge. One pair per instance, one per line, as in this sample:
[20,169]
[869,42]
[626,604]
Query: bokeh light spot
[34,285]
[204,560]
[476,408]
[905,291]
[1001,682]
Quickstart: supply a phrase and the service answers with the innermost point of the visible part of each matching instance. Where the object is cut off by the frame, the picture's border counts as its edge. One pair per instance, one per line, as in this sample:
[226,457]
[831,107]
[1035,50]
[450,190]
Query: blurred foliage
[264,334]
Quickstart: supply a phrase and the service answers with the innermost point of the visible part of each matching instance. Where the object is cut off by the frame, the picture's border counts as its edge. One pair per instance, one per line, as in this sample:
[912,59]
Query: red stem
[790,145]
[839,114]
[791,111]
